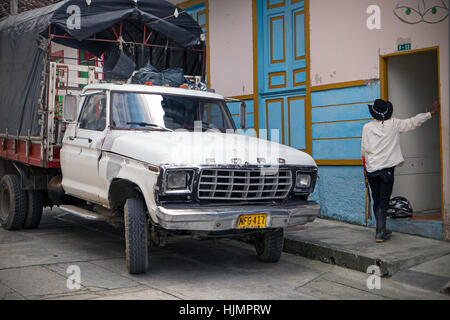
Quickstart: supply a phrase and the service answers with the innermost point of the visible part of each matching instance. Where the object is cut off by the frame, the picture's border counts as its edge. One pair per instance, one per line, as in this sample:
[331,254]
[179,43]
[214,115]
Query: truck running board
[91,215]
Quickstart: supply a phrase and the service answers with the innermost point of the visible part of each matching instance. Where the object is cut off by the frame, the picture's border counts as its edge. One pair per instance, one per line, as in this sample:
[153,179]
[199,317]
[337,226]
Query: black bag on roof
[172,77]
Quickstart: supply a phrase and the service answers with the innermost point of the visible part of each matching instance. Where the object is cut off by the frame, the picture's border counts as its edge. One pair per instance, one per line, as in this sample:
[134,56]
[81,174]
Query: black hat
[381,110]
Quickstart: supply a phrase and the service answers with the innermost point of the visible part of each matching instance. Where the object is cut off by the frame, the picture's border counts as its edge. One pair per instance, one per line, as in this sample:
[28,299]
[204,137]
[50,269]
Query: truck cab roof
[152,89]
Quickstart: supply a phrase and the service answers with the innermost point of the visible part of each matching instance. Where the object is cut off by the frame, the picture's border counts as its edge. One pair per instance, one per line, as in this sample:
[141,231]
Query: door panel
[81,152]
[296,116]
[277,40]
[275,120]
[287,115]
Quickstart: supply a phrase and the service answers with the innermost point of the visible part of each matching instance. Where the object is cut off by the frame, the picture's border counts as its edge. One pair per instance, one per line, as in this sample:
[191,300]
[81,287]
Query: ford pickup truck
[159,161]
[168,161]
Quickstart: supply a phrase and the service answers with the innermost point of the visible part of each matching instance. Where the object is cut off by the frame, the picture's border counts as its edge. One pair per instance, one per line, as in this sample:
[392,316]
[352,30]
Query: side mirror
[243,115]
[70,108]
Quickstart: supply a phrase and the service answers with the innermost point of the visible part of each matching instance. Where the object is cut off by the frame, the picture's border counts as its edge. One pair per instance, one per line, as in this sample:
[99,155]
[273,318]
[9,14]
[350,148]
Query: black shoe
[382,234]
[382,237]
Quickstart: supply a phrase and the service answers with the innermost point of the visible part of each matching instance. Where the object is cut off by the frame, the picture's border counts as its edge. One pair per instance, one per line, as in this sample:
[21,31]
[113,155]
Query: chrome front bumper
[220,218]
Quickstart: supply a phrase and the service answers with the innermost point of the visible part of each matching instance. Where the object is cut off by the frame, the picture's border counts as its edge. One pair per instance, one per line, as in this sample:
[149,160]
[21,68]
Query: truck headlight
[302,181]
[178,181]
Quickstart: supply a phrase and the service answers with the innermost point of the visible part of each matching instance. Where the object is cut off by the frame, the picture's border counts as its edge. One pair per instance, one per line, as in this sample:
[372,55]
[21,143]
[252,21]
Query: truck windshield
[130,110]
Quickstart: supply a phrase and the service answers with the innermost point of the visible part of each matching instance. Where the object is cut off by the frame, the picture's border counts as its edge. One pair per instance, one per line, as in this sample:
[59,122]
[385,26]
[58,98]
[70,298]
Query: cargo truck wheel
[34,209]
[136,235]
[269,245]
[13,203]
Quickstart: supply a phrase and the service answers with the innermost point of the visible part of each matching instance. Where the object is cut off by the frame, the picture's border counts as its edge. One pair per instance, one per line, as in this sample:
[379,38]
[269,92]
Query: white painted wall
[231,46]
[344,49]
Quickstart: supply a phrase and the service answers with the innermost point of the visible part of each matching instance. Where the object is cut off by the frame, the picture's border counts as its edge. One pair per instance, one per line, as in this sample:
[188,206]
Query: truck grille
[244,184]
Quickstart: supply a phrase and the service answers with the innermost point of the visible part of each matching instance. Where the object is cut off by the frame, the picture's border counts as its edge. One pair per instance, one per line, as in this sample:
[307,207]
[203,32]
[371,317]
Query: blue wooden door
[282,70]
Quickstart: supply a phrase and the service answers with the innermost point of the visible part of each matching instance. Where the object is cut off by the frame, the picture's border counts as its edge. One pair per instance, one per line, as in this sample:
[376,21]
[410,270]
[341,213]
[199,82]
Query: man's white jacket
[380,145]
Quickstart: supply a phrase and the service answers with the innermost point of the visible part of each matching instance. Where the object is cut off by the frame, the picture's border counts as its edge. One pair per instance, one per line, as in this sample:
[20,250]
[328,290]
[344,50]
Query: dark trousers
[381,183]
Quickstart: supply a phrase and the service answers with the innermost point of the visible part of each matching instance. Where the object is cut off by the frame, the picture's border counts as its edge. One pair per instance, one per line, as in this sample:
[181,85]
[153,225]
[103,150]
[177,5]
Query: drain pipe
[14,7]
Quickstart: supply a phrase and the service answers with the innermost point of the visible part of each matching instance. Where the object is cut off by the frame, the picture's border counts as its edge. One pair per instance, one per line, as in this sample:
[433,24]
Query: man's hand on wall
[435,109]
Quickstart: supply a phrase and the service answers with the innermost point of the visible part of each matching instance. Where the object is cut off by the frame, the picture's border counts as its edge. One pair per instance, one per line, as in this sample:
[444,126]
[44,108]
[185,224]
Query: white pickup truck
[163,161]
[169,161]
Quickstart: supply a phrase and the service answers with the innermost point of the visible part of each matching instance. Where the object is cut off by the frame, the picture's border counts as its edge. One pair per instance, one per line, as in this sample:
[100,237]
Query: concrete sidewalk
[406,258]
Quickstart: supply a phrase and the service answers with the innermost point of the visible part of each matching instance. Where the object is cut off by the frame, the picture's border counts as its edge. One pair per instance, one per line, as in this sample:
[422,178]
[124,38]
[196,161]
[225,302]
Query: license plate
[252,221]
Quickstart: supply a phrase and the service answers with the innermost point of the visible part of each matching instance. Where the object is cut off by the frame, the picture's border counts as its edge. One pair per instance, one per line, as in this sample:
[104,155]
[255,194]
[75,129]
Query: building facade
[309,69]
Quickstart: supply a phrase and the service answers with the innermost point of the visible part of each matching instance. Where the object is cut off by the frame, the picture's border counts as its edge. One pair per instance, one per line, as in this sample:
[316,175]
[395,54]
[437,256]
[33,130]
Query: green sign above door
[404,47]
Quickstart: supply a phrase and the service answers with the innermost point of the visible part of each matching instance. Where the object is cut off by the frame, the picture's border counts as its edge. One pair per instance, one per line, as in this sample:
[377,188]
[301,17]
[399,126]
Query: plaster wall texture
[231,46]
[340,27]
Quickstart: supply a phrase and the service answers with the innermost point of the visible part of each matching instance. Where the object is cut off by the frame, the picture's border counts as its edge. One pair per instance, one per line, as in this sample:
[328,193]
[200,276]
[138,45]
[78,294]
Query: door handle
[73,138]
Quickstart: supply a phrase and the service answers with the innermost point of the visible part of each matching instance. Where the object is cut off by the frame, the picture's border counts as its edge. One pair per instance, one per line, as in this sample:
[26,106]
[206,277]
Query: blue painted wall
[340,191]
[338,116]
[234,110]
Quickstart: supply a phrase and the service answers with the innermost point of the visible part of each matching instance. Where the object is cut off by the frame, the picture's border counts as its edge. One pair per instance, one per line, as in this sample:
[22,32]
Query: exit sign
[404,47]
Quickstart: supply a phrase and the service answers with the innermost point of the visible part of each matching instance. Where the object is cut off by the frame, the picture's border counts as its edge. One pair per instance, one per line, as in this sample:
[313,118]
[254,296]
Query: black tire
[136,236]
[269,245]
[13,203]
[34,209]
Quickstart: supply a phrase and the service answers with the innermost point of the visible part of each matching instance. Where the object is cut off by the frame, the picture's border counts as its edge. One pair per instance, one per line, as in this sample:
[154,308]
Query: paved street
[34,265]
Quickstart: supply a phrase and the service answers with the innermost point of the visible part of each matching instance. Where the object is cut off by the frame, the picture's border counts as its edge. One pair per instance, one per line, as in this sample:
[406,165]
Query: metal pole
[14,6]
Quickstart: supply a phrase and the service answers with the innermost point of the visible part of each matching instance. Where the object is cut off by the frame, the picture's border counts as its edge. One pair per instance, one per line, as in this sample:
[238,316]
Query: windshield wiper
[146,124]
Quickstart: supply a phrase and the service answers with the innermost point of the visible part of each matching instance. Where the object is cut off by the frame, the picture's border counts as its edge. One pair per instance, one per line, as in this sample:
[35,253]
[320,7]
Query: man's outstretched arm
[416,121]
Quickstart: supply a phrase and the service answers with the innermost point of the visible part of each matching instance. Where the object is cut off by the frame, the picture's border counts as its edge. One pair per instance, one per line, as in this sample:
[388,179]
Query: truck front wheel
[136,235]
[13,203]
[269,245]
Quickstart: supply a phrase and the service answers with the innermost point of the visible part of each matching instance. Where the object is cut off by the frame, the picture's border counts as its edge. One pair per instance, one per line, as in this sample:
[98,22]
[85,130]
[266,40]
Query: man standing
[380,147]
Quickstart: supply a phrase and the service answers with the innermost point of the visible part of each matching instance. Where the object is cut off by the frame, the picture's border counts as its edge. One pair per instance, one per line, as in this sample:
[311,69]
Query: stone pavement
[407,258]
[34,265]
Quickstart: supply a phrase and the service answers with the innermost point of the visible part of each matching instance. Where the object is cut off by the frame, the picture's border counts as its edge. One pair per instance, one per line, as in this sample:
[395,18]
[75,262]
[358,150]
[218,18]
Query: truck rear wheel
[269,245]
[13,203]
[34,209]
[136,235]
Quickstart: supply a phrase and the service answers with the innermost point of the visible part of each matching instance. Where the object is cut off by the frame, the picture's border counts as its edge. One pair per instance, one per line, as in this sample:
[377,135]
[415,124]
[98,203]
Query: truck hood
[197,148]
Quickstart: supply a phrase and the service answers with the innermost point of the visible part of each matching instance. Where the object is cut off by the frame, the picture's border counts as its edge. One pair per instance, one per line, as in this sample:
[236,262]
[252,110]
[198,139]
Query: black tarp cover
[24,47]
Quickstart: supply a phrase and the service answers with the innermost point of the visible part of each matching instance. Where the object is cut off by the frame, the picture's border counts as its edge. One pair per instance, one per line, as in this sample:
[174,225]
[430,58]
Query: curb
[446,289]
[338,257]
[352,260]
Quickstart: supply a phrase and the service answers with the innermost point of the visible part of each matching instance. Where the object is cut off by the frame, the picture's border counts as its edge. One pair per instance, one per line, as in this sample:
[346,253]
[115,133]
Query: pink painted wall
[231,46]
[344,49]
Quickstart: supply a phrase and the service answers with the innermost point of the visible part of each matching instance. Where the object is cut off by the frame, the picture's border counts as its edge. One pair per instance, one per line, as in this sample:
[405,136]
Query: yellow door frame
[384,94]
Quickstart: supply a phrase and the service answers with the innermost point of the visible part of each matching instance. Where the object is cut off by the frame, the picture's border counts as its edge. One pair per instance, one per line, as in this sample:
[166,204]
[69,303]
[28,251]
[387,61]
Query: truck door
[81,152]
